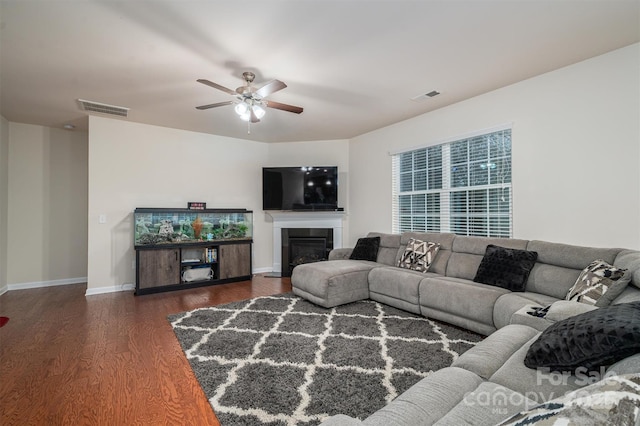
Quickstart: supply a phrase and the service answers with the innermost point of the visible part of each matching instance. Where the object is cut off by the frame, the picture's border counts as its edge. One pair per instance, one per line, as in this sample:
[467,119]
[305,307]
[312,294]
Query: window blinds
[463,187]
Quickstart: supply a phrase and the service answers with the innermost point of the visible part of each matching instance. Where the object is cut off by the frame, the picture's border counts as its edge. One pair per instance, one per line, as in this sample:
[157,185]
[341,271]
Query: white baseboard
[262,270]
[110,289]
[51,283]
[90,291]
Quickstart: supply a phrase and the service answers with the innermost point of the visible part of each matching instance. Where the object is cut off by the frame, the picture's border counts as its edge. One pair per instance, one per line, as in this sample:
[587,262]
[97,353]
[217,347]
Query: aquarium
[174,226]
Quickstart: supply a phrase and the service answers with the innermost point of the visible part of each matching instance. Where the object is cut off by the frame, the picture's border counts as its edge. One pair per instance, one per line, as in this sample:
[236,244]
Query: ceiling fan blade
[269,88]
[214,105]
[284,107]
[216,86]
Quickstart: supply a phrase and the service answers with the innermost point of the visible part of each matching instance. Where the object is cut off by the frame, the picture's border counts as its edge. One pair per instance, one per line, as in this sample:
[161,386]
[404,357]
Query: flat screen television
[300,188]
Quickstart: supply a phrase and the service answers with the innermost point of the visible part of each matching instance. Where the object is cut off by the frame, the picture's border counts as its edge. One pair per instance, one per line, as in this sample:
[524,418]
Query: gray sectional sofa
[493,370]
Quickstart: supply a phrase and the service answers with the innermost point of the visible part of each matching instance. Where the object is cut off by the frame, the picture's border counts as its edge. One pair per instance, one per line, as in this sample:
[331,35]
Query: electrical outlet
[133,264]
[102,218]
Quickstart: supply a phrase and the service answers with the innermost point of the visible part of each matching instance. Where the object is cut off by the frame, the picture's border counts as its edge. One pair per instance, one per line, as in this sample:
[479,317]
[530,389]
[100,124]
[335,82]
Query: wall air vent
[424,96]
[103,108]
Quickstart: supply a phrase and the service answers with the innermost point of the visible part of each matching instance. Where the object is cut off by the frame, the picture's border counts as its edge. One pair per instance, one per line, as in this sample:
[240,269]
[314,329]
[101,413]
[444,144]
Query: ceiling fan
[250,101]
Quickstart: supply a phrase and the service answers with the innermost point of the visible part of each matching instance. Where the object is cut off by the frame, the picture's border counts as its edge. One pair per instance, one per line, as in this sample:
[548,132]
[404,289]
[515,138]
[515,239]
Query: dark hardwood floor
[111,359]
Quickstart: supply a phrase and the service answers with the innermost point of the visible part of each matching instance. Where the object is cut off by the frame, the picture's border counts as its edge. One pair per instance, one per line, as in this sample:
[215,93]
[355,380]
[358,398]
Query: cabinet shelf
[180,266]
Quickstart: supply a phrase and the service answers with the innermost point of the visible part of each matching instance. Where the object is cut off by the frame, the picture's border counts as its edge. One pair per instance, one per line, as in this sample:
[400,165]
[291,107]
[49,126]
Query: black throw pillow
[366,249]
[593,339]
[505,267]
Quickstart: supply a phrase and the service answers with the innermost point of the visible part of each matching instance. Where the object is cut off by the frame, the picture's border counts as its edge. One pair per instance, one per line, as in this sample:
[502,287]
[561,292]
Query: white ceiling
[354,65]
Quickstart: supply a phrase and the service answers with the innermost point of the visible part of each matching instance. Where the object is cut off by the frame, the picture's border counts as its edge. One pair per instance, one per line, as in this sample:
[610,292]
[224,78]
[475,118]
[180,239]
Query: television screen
[300,188]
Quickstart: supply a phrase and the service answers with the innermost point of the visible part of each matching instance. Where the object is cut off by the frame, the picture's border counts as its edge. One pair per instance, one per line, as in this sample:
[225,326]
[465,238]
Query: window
[463,187]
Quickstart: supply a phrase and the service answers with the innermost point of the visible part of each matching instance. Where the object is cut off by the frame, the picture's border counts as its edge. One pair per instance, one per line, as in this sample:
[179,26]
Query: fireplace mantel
[310,219]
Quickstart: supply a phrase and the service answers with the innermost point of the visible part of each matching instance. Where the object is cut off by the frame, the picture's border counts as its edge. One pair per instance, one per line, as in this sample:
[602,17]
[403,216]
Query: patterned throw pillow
[611,401]
[418,255]
[598,284]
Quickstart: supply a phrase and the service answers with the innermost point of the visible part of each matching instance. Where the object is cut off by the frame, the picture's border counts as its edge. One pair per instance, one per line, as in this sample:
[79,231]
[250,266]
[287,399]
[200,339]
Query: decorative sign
[196,205]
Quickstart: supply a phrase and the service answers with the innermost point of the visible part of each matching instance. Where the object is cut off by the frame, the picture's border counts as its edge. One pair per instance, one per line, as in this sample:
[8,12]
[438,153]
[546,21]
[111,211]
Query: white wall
[47,204]
[4,194]
[576,146]
[135,165]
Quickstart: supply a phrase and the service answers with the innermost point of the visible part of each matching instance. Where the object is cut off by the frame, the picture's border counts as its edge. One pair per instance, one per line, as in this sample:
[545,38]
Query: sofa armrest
[563,309]
[340,253]
[523,318]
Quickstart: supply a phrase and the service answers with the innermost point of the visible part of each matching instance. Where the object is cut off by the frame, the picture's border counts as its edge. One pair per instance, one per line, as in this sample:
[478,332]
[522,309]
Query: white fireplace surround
[288,219]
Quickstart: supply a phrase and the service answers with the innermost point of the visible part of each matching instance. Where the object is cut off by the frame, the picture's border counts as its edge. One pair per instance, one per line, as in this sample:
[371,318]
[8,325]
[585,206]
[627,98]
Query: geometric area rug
[281,360]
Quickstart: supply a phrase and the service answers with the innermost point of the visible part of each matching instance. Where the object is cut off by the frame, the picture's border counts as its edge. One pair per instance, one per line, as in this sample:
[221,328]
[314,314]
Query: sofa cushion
[563,309]
[333,282]
[461,298]
[418,255]
[589,340]
[489,404]
[611,401]
[559,265]
[468,253]
[428,400]
[598,284]
[630,259]
[366,249]
[507,305]
[570,256]
[524,316]
[551,280]
[389,244]
[505,267]
[396,287]
[628,365]
[515,375]
[439,265]
[485,358]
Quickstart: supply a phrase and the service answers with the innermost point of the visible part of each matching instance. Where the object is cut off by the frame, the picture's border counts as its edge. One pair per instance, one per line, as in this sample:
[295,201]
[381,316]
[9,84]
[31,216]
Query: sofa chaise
[491,382]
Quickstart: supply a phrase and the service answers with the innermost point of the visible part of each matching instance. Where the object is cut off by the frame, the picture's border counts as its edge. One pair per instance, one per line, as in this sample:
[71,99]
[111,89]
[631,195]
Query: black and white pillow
[419,255]
[610,401]
[598,284]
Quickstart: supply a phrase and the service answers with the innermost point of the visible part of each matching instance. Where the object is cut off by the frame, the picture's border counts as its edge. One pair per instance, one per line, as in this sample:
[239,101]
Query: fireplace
[297,220]
[304,245]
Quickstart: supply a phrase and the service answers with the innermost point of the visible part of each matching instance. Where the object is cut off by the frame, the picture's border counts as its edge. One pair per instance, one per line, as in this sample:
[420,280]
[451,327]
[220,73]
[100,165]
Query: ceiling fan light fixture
[258,111]
[245,116]
[250,104]
[242,108]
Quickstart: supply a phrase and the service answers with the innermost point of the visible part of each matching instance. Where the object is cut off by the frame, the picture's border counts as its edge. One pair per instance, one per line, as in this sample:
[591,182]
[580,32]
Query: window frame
[424,201]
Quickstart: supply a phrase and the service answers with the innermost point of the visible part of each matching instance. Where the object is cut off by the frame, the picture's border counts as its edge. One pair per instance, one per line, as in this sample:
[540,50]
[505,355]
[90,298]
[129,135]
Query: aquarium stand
[181,266]
[180,248]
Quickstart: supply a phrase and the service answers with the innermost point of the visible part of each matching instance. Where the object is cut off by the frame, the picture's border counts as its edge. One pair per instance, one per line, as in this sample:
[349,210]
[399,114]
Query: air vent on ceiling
[103,108]
[424,96]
